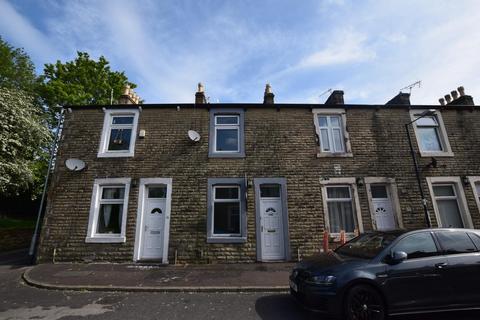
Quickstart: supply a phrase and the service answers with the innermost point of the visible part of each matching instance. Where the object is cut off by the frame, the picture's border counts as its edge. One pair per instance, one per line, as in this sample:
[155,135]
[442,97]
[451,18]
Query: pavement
[254,277]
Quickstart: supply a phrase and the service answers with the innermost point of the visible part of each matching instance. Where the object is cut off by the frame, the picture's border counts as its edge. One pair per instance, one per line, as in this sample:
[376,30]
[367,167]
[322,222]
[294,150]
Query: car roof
[399,232]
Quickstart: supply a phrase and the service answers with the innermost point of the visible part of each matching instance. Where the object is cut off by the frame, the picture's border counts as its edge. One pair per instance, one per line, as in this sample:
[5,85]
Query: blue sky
[369,49]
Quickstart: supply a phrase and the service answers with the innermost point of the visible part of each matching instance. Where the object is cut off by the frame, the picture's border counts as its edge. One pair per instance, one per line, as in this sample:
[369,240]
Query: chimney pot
[448,98]
[200,94]
[126,89]
[201,88]
[461,90]
[454,94]
[268,97]
[442,101]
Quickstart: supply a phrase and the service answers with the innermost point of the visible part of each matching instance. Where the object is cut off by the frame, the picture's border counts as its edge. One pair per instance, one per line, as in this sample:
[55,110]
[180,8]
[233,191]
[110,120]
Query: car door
[463,270]
[417,283]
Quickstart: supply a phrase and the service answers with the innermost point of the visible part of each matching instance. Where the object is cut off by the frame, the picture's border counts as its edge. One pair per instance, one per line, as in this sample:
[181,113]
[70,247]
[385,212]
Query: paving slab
[258,277]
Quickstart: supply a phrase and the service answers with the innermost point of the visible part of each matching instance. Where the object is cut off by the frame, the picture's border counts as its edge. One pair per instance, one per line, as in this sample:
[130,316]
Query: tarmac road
[19,301]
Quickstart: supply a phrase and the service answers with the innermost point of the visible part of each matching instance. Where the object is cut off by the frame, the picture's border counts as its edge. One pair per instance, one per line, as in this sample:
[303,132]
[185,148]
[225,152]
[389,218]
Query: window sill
[101,239]
[436,154]
[226,155]
[226,239]
[115,155]
[334,155]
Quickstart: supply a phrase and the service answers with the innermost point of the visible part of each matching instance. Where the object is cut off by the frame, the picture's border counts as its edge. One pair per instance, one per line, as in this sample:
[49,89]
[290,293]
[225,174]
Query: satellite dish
[193,135]
[75,164]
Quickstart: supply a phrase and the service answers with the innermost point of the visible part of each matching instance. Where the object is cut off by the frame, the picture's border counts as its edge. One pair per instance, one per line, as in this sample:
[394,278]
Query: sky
[303,48]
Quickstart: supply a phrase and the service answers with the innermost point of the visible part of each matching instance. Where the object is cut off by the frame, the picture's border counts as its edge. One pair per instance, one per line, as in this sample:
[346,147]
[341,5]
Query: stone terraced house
[255,182]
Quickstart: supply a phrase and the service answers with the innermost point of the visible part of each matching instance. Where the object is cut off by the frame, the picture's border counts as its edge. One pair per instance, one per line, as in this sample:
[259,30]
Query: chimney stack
[128,96]
[336,97]
[268,96]
[458,98]
[400,99]
[200,95]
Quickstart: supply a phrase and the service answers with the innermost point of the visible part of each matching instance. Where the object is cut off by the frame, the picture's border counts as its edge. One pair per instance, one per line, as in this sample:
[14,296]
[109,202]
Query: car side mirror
[397,257]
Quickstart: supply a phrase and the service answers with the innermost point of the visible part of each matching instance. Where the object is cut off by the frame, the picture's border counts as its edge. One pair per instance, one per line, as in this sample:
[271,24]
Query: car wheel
[364,303]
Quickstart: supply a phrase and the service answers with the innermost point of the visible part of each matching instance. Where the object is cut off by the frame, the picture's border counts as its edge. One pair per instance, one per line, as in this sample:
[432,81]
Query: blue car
[394,272]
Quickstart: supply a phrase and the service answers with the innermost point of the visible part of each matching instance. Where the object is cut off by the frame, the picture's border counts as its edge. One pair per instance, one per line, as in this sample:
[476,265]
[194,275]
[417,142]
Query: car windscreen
[367,246]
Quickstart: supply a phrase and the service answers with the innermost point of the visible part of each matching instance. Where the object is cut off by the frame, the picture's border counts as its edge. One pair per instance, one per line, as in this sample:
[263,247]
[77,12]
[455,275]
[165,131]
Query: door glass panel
[449,213]
[456,242]
[157,192]
[226,218]
[417,245]
[226,193]
[270,191]
[443,191]
[379,191]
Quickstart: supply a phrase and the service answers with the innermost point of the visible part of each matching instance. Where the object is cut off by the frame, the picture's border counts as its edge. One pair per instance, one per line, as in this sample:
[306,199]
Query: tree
[16,69]
[24,138]
[81,82]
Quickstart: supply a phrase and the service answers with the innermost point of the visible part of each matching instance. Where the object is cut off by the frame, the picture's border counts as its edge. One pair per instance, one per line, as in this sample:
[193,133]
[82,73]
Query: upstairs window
[119,133]
[226,138]
[333,138]
[431,134]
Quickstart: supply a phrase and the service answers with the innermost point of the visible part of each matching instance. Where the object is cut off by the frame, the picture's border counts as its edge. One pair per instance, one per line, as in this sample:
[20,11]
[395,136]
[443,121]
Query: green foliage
[24,139]
[16,69]
[82,82]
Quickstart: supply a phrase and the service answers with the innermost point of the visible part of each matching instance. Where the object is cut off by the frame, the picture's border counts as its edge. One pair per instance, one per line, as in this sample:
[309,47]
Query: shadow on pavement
[283,306]
[15,259]
[457,315]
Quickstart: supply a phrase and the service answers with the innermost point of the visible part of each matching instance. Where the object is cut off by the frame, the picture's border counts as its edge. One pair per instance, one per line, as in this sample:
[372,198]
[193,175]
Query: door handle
[441,265]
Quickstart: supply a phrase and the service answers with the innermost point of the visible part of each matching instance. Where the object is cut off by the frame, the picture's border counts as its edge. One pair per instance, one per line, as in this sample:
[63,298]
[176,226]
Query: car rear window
[476,239]
[453,242]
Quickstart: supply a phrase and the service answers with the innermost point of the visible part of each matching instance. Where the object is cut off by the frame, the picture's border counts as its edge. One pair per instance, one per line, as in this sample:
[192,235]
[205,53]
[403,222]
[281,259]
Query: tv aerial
[75,164]
[411,86]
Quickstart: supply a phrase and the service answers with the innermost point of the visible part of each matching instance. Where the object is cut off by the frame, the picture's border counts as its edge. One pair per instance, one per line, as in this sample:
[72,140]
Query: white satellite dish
[75,164]
[193,135]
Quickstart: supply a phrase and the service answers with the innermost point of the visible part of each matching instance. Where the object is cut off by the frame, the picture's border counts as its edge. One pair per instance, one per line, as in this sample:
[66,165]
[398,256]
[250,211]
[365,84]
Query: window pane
[379,191]
[226,193]
[227,119]
[324,140]
[113,193]
[119,139]
[270,191]
[456,242]
[449,213]
[338,192]
[340,216]
[335,121]
[227,139]
[323,121]
[442,191]
[157,192]
[122,120]
[110,218]
[338,140]
[429,139]
[417,246]
[226,218]
[427,121]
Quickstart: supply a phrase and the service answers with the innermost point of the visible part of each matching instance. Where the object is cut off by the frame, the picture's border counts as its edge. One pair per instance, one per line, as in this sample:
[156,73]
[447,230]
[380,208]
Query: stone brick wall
[278,143]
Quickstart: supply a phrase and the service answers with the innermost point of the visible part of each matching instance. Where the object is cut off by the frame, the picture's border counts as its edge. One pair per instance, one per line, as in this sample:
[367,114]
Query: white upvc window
[227,134]
[475,185]
[108,210]
[226,211]
[119,133]
[333,138]
[431,135]
[341,207]
[449,202]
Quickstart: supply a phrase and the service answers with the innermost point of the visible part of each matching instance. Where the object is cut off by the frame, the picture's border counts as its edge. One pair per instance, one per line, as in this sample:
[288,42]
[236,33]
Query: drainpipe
[32,252]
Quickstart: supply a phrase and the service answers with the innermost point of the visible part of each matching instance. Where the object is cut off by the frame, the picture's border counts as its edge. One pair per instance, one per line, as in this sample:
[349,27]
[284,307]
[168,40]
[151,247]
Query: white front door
[154,222]
[382,207]
[271,222]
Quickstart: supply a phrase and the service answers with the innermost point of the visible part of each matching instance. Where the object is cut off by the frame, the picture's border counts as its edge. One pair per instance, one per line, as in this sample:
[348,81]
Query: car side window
[418,245]
[454,242]
[476,239]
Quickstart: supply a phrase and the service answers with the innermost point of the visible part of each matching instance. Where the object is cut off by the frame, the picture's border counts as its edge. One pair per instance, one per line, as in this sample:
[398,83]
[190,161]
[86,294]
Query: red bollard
[342,237]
